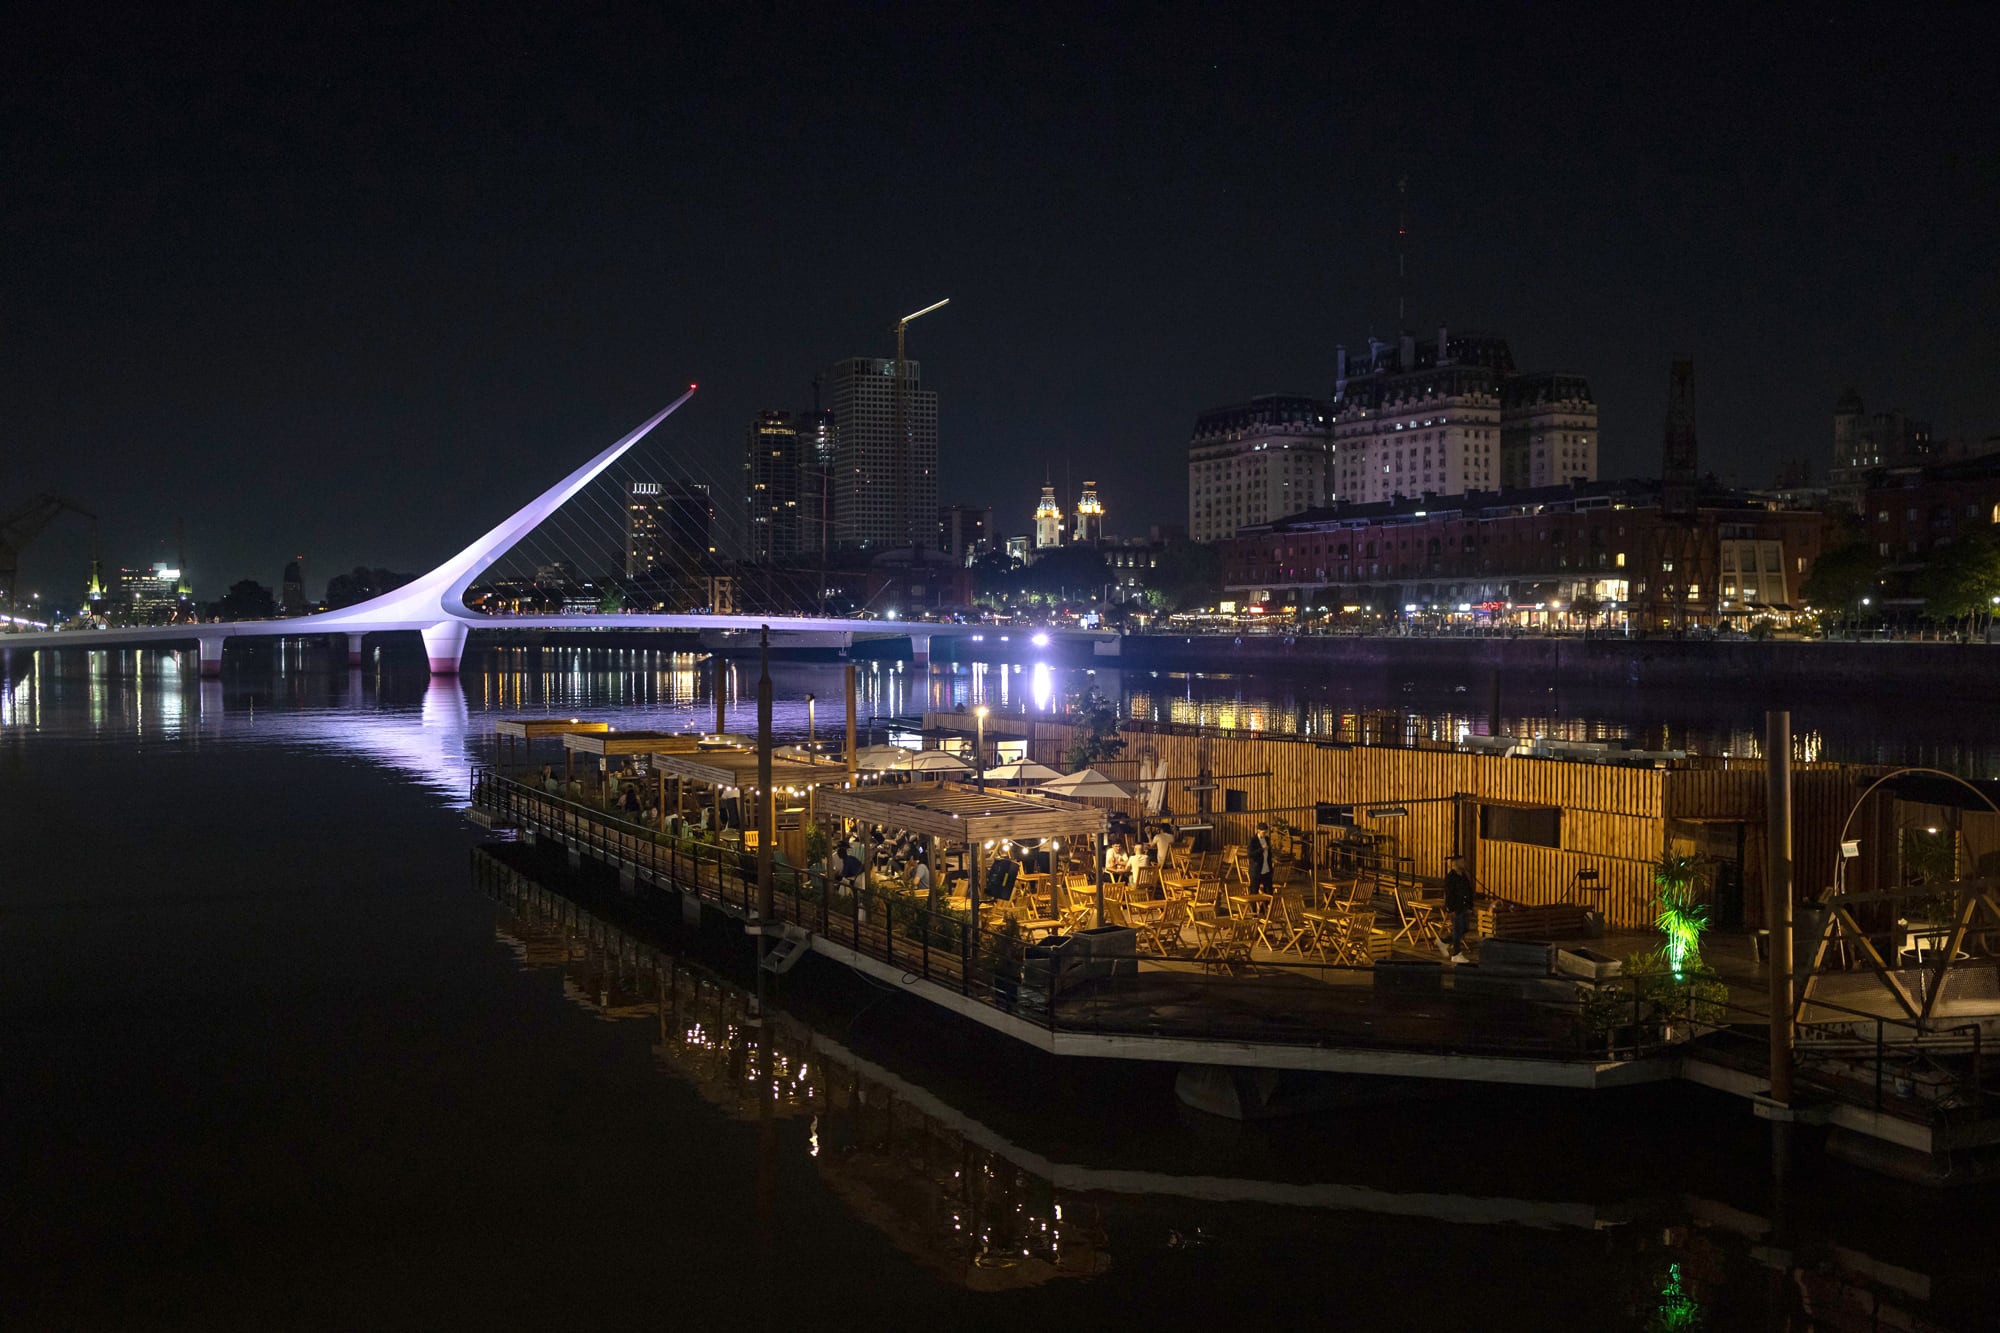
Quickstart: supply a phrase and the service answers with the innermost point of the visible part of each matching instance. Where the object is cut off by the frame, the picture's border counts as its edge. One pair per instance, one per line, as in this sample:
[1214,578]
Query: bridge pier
[211,657]
[445,644]
[920,649]
[354,650]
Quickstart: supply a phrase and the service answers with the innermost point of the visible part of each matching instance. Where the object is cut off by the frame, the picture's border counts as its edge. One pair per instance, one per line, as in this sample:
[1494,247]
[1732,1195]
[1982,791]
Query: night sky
[355,280]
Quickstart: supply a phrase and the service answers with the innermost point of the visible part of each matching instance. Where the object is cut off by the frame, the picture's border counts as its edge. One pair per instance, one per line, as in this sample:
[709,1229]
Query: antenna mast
[1402,252]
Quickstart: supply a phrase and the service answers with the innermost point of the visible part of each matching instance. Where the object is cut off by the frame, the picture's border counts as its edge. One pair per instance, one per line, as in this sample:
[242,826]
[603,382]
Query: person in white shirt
[1163,846]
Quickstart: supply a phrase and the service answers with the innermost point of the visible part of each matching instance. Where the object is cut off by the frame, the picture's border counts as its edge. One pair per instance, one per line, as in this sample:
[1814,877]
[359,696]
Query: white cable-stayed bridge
[433,605]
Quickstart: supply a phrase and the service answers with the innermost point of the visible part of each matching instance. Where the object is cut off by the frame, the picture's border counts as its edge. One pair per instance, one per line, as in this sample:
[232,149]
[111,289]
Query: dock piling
[1778,914]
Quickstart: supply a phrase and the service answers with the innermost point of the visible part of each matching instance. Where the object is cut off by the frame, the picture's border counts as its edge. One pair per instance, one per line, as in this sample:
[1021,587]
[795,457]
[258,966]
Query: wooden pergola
[726,770]
[525,731]
[654,746]
[958,813]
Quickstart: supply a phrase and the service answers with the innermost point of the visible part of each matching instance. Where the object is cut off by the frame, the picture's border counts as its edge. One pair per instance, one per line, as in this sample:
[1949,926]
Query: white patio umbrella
[1022,770]
[1155,787]
[1087,783]
[935,762]
[880,758]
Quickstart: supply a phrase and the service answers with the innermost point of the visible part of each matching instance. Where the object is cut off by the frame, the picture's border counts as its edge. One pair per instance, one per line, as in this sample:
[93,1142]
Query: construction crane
[899,456]
[21,527]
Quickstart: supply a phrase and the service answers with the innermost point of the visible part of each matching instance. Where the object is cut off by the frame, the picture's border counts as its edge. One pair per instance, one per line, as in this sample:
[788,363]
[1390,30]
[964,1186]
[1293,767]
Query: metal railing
[1915,1069]
[1410,1004]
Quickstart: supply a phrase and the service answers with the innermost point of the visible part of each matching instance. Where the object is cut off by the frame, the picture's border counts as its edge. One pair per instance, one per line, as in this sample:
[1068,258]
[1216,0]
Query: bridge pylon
[444,642]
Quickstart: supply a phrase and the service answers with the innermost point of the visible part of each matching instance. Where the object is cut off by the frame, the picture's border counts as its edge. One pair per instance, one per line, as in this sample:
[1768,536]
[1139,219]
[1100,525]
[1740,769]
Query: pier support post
[721,672]
[920,649]
[1778,912]
[767,805]
[444,642]
[211,657]
[851,719]
[354,651]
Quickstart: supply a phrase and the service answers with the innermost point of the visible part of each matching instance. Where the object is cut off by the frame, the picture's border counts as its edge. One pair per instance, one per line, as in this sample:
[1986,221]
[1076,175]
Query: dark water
[280,1050]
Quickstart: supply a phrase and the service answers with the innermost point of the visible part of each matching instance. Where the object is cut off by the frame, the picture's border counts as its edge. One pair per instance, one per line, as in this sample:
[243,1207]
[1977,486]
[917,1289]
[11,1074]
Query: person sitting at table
[1136,863]
[628,800]
[1163,845]
[1116,859]
[920,876]
[549,782]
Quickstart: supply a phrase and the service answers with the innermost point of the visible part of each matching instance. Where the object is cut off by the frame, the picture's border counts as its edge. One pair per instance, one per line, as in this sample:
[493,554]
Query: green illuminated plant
[1678,1310]
[1681,919]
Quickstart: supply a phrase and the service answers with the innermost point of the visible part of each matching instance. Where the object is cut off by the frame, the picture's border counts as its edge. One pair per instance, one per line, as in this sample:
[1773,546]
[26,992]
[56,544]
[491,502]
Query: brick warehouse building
[1527,556]
[1909,512]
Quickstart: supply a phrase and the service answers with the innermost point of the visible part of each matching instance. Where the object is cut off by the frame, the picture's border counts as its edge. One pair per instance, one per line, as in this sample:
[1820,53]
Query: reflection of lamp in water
[1042,686]
[979,744]
[811,729]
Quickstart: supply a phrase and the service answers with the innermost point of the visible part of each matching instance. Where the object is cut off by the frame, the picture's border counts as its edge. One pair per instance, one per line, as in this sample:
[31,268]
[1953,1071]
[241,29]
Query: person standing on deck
[1263,867]
[1457,901]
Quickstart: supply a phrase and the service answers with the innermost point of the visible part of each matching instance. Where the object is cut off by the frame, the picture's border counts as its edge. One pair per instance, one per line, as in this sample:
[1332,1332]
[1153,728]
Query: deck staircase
[790,945]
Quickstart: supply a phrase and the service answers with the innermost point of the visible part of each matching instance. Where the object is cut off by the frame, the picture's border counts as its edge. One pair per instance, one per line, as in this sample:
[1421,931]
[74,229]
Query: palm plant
[1681,919]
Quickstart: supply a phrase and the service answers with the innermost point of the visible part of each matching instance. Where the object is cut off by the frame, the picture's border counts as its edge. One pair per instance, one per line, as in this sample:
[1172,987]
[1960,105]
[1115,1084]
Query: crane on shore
[23,526]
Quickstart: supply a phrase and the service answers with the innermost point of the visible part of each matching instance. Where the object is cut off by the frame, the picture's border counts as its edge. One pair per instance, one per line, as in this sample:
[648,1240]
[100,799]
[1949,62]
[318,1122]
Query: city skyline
[268,302]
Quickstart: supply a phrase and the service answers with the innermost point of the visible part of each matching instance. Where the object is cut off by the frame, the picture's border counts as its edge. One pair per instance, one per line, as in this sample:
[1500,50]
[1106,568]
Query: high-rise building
[1865,443]
[1048,521]
[1453,415]
[154,596]
[965,532]
[817,444]
[1548,430]
[1089,527]
[292,592]
[885,492]
[668,526]
[1257,461]
[774,468]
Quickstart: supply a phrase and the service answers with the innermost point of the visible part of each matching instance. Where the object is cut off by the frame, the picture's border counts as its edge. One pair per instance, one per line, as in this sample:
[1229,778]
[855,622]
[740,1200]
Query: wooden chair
[1422,922]
[1235,865]
[1331,891]
[1226,945]
[1354,943]
[1286,928]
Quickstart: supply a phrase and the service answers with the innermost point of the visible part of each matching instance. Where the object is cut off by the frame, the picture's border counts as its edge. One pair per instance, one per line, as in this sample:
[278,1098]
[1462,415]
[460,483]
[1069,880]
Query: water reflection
[966,1212]
[988,1214]
[434,731]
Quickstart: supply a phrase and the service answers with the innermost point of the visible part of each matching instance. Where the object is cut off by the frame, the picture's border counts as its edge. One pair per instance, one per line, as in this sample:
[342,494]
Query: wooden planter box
[1552,921]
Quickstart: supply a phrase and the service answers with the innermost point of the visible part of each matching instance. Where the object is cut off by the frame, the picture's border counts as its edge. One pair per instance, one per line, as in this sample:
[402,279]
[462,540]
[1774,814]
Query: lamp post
[979,744]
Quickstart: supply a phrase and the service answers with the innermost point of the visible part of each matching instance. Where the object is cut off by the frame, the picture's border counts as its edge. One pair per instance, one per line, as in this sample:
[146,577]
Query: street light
[979,745]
